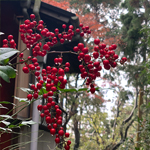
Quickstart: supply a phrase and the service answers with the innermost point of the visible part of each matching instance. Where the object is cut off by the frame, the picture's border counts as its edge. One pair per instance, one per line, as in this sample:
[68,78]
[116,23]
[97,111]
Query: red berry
[80,46]
[39,107]
[32,16]
[53,88]
[92,90]
[25,69]
[42,115]
[39,86]
[57,140]
[67,134]
[68,142]
[48,120]
[61,132]
[52,131]
[10,37]
[64,26]
[29,96]
[96,41]
[35,95]
[59,121]
[95,55]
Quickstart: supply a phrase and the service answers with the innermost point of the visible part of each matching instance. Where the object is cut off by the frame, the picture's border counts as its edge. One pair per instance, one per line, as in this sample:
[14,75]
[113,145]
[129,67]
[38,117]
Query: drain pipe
[35,114]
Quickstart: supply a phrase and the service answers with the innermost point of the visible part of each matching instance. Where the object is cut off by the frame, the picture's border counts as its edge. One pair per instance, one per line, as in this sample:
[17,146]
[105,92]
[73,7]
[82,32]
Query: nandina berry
[46,112]
[67,147]
[39,107]
[64,26]
[45,107]
[57,140]
[106,62]
[31,66]
[92,90]
[5,41]
[29,96]
[35,95]
[114,46]
[55,125]
[95,55]
[32,86]
[66,69]
[107,67]
[61,78]
[54,70]
[41,81]
[50,93]
[96,41]
[61,72]
[39,86]
[115,56]
[52,131]
[67,134]
[96,64]
[32,16]
[124,59]
[76,49]
[45,95]
[48,105]
[80,46]
[53,88]
[49,127]
[60,60]
[42,115]
[59,121]
[81,25]
[50,99]
[53,103]
[45,47]
[61,132]
[25,69]
[10,37]
[67,64]
[85,50]
[68,142]
[48,119]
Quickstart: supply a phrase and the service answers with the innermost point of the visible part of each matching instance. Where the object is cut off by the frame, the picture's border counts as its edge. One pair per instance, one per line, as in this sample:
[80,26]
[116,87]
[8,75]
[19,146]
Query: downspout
[35,114]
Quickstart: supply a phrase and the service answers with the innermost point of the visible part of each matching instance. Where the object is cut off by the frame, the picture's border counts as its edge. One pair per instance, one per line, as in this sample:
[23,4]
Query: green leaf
[13,126]
[68,90]
[5,102]
[1,33]
[27,90]
[7,53]
[27,123]
[7,72]
[43,89]
[5,129]
[5,116]
[4,62]
[21,99]
[5,122]
[0,85]
[1,106]
[82,89]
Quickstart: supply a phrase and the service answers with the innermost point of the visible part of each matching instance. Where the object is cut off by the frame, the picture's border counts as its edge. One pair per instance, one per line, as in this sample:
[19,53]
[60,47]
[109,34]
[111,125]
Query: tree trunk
[140,117]
[77,134]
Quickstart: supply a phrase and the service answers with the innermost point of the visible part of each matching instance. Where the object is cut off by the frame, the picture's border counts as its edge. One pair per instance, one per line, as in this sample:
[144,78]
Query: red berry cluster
[52,78]
[9,42]
[52,115]
[103,56]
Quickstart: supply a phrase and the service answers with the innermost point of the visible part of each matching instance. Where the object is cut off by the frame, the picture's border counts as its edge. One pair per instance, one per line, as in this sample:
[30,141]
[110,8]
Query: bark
[77,134]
